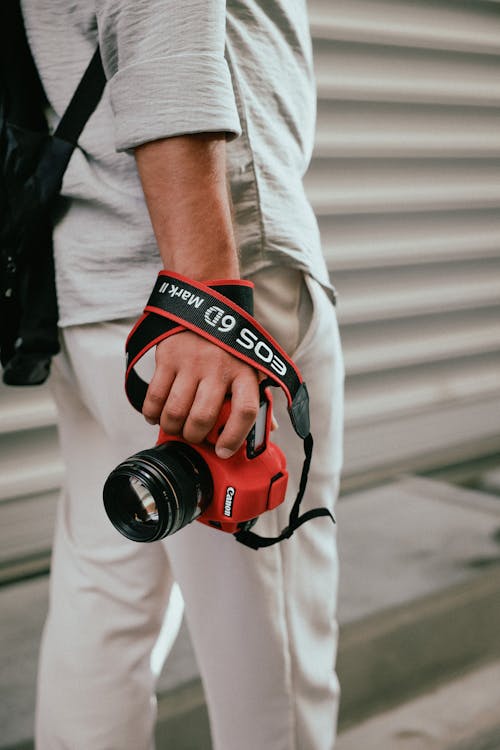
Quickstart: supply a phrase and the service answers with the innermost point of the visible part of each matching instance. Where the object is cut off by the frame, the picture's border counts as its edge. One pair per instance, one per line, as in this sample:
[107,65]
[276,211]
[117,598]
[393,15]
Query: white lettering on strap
[249,340]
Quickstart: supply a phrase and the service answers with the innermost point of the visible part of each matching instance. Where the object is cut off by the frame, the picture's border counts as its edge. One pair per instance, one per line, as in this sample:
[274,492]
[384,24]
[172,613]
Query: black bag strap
[176,304]
[83,102]
[19,75]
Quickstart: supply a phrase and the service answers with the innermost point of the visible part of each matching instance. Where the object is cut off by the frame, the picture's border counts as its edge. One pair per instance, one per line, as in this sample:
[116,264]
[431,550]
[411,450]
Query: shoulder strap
[25,91]
[83,102]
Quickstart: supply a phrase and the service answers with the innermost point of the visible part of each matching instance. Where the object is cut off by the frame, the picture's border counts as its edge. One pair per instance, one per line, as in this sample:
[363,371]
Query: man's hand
[186,394]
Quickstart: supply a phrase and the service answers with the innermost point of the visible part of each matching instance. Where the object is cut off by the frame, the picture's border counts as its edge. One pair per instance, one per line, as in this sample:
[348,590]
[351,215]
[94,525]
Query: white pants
[263,624]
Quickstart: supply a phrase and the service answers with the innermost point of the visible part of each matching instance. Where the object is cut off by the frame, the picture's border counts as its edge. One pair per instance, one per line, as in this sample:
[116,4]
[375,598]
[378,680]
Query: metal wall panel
[405,181]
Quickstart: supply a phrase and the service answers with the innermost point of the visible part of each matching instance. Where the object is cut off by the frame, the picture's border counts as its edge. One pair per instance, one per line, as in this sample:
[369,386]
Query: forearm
[185,185]
[184,181]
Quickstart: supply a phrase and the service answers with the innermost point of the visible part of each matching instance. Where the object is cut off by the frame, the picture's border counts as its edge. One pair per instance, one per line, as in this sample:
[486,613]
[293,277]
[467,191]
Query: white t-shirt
[243,67]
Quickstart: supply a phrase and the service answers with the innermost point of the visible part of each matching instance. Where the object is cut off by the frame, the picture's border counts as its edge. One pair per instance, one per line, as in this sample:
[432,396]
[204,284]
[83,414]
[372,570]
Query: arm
[184,182]
[171,93]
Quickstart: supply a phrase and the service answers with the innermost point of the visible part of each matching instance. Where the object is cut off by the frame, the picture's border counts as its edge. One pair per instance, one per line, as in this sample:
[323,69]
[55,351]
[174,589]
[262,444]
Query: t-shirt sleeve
[167,73]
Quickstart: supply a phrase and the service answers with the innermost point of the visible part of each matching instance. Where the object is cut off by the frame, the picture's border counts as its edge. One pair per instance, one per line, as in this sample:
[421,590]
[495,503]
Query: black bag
[32,166]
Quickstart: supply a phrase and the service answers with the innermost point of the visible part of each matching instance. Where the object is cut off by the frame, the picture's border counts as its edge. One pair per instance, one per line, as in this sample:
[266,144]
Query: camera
[158,491]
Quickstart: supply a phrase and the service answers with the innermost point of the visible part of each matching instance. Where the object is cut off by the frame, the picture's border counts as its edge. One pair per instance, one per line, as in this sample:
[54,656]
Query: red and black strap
[221,311]
[207,310]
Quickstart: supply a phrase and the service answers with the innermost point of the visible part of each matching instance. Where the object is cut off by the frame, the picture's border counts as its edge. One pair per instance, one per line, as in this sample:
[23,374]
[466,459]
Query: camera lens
[157,491]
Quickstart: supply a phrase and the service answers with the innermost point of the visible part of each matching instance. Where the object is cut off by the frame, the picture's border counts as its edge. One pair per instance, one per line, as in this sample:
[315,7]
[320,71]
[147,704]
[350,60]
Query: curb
[394,655]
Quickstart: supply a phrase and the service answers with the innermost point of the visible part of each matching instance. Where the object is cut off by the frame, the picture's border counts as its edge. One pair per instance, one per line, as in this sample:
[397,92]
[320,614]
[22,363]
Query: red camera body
[252,481]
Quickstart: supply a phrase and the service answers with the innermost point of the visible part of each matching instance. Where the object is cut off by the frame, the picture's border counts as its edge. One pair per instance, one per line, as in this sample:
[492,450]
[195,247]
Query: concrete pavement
[419,603]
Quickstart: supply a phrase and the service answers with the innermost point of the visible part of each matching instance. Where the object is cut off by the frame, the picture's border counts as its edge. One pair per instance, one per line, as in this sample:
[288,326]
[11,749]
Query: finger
[157,393]
[244,409]
[178,404]
[204,410]
[274,423]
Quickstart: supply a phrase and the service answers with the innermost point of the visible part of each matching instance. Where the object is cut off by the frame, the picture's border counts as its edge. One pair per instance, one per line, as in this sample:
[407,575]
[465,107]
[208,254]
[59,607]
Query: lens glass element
[145,510]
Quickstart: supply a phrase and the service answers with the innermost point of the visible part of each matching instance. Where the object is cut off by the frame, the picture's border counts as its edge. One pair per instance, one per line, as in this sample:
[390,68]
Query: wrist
[175,285]
[203,263]
[198,240]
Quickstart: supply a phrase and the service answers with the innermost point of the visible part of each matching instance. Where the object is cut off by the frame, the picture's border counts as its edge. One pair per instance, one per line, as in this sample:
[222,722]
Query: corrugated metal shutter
[30,474]
[405,181]
[406,184]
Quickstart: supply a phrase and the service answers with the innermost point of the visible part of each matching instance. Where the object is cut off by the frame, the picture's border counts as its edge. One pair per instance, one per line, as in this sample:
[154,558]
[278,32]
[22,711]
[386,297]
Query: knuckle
[170,428]
[193,435]
[151,409]
[203,417]
[176,413]
[155,397]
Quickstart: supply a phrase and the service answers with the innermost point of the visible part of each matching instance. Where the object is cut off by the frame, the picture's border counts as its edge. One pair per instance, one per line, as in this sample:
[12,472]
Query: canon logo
[228,501]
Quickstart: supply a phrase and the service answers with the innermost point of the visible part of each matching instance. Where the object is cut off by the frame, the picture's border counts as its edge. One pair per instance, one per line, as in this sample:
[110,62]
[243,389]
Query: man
[206,124]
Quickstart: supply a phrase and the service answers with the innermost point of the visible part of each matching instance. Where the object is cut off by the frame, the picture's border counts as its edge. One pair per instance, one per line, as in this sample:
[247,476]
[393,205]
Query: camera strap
[220,311]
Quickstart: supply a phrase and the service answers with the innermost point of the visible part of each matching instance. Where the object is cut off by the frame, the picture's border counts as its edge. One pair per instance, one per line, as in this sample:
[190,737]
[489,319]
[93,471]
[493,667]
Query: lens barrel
[156,492]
